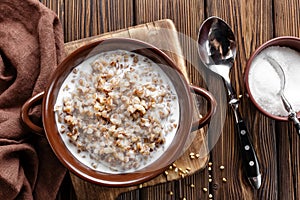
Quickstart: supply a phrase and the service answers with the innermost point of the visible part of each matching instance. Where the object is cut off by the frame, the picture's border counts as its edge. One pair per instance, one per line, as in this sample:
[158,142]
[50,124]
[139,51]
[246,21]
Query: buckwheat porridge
[117,112]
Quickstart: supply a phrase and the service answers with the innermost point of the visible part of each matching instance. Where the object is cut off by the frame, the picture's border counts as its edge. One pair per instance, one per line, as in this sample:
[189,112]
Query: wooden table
[254,22]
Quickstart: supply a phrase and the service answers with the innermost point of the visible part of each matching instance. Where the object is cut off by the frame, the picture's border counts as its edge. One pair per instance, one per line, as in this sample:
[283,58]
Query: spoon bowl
[217,42]
[217,48]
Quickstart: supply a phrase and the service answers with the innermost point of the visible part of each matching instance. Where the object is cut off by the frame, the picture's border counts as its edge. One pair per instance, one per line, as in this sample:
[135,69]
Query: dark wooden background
[254,22]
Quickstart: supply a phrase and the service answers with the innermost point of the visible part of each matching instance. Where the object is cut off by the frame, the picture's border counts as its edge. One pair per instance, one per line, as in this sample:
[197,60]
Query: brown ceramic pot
[285,41]
[186,124]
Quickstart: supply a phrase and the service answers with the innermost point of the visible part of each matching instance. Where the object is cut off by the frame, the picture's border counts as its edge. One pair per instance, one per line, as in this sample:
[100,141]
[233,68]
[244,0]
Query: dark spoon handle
[250,162]
[293,117]
[297,126]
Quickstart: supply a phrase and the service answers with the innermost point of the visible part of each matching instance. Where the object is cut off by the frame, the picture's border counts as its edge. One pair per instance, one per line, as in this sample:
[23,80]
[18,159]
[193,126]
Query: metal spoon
[217,51]
[292,114]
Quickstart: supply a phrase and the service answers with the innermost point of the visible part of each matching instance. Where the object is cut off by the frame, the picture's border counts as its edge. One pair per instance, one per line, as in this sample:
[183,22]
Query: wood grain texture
[287,22]
[85,18]
[286,18]
[254,22]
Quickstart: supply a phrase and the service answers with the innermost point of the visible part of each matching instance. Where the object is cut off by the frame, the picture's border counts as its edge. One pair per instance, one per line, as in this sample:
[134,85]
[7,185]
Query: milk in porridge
[117,112]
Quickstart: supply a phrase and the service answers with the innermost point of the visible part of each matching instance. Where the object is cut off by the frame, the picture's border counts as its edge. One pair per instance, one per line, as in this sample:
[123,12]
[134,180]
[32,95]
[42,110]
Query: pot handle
[212,105]
[25,117]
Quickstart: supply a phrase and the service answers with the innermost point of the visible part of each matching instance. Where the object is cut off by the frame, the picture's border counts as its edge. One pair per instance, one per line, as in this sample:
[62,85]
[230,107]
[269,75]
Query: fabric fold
[31,47]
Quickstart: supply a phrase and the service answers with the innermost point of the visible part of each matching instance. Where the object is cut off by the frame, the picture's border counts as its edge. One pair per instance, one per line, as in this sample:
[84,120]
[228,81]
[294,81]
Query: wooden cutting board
[163,35]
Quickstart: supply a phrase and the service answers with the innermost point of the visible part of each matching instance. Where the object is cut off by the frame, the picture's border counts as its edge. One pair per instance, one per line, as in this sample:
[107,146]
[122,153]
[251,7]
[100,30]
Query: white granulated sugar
[264,82]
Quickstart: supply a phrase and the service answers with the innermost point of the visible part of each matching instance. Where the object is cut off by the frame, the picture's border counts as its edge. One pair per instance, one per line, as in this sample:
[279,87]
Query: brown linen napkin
[31,46]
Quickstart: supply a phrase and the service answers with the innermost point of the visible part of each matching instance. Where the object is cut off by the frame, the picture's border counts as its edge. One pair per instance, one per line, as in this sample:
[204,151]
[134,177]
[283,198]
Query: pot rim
[69,160]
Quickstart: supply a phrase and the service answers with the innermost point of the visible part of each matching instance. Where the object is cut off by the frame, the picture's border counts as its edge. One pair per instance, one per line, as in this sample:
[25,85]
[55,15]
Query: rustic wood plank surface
[254,22]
